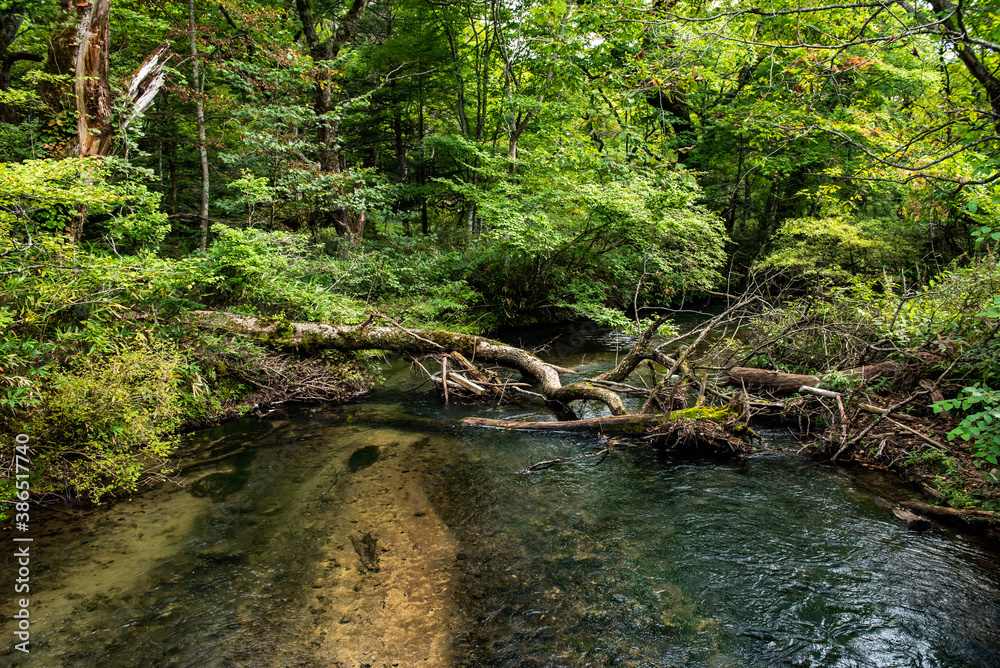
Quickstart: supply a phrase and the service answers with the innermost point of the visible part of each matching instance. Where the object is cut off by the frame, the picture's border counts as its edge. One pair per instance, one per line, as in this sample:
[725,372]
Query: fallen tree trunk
[970,514]
[631,425]
[789,383]
[366,336]
[776,381]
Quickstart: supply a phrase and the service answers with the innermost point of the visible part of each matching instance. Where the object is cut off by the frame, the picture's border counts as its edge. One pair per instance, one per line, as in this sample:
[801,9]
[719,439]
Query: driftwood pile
[460,381]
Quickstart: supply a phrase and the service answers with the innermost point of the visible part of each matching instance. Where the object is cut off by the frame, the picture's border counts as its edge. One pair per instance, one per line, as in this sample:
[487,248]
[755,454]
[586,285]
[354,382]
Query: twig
[928,439]
[843,420]
[546,464]
[528,392]
[549,463]
[562,369]
[408,331]
[444,378]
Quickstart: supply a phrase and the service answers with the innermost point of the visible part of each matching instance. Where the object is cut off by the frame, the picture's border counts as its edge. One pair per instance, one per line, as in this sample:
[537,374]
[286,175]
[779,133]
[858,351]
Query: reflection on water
[631,560]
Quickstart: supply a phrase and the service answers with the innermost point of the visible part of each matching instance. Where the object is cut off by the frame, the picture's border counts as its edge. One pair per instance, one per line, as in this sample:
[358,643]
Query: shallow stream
[627,559]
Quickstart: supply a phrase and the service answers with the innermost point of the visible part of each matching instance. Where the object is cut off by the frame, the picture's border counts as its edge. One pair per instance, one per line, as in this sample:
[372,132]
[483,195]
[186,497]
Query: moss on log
[626,425]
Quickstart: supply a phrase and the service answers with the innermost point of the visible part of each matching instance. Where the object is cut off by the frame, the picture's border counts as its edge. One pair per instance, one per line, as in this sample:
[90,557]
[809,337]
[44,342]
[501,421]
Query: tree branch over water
[316,336]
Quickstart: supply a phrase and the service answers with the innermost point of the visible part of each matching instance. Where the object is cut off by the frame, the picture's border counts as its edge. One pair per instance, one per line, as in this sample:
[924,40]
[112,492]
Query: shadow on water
[628,560]
[363,458]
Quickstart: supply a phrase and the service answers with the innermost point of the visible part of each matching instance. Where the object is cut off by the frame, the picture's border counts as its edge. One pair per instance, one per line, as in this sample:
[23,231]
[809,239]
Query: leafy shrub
[981,425]
[44,196]
[563,248]
[947,477]
[102,426]
[273,272]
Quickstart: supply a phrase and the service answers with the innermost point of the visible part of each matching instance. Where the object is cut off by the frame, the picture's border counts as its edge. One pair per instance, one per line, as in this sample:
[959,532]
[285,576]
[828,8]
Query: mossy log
[968,514]
[624,425]
[311,337]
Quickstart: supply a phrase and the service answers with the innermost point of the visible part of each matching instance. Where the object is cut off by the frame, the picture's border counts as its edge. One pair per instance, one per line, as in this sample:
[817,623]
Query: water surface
[623,559]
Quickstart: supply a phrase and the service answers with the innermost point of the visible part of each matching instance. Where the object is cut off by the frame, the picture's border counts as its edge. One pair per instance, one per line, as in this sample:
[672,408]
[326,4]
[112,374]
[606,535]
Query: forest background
[471,165]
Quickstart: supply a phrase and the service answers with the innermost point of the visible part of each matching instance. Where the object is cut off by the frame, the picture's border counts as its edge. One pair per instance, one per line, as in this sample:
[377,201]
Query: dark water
[623,559]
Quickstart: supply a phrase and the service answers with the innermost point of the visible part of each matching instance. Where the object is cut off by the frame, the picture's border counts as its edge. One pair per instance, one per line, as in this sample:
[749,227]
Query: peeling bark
[91,87]
[79,46]
[317,336]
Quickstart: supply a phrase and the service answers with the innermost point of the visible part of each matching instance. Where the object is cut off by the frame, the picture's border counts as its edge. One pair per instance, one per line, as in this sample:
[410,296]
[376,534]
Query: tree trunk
[80,44]
[775,381]
[92,89]
[198,81]
[348,223]
[314,336]
[952,29]
[630,425]
[788,383]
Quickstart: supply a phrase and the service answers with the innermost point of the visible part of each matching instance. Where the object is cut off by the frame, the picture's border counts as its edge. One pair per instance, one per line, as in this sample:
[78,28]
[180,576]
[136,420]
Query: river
[624,559]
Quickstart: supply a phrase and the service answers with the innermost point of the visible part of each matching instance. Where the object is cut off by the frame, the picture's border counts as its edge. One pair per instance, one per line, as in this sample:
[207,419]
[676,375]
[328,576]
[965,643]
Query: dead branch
[549,463]
[403,329]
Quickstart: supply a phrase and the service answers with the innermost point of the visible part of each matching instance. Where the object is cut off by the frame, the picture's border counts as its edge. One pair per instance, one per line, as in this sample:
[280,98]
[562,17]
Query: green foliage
[44,196]
[985,234]
[408,276]
[578,239]
[274,272]
[842,382]
[838,247]
[947,477]
[105,424]
[981,425]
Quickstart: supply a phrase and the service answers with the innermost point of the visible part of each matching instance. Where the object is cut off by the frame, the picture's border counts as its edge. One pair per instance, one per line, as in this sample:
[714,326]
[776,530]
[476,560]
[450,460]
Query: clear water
[623,560]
